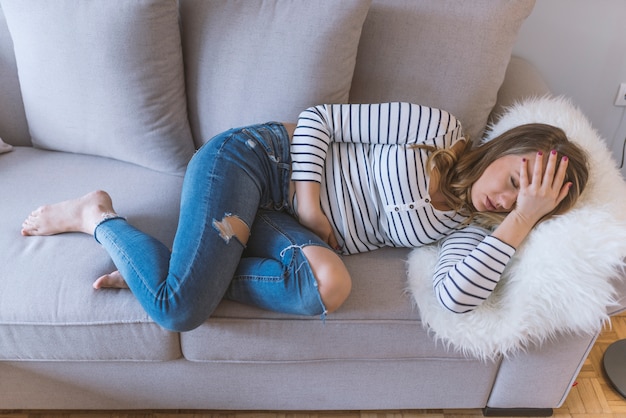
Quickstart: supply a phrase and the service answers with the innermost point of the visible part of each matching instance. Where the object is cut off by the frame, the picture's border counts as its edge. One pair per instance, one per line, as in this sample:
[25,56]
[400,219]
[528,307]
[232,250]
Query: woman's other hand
[310,212]
[316,221]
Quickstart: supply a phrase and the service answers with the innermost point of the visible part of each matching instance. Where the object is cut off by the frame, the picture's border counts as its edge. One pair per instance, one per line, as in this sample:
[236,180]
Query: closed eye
[514,183]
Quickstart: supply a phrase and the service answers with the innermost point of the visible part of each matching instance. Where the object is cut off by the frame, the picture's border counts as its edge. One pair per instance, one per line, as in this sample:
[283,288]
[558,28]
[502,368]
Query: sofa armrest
[543,376]
[620,288]
[522,80]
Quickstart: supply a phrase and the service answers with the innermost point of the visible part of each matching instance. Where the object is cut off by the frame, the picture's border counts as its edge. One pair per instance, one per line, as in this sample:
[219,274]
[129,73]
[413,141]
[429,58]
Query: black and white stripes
[469,267]
[374,190]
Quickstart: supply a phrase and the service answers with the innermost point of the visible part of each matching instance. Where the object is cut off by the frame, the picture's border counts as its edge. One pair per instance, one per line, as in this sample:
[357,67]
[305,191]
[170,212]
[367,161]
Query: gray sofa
[101,96]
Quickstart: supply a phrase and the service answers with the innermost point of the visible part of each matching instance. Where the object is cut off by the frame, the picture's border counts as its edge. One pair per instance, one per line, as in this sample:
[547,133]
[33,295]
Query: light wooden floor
[591,397]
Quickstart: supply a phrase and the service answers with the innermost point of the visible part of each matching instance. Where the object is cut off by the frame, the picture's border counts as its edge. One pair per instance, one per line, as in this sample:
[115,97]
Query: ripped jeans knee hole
[226,229]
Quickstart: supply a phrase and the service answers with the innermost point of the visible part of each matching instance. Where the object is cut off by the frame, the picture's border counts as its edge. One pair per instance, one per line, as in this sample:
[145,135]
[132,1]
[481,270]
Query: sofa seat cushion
[377,322]
[48,308]
[49,311]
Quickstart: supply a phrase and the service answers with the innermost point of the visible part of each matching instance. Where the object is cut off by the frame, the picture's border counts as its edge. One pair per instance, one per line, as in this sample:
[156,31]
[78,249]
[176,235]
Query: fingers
[553,180]
[555,171]
[332,241]
[559,178]
[553,177]
[538,177]
[564,191]
[523,174]
[542,186]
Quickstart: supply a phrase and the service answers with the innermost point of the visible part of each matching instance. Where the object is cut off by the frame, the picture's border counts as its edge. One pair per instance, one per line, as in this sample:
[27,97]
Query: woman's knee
[333,278]
[181,320]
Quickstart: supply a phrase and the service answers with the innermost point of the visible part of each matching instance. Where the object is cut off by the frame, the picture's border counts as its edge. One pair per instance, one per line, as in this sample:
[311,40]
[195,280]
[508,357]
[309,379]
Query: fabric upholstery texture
[4,147]
[453,56]
[377,310]
[226,385]
[64,314]
[13,125]
[103,78]
[48,308]
[277,59]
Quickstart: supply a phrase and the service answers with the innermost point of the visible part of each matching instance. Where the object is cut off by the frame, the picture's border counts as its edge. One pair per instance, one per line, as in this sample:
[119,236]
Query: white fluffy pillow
[103,78]
[559,280]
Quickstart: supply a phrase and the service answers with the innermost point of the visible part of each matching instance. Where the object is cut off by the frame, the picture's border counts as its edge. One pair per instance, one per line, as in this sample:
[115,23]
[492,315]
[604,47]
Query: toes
[30,224]
[102,282]
[112,280]
[28,228]
[98,284]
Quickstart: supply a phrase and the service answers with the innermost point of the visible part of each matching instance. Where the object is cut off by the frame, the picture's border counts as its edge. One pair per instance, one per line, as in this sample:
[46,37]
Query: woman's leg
[226,181]
[76,215]
[287,268]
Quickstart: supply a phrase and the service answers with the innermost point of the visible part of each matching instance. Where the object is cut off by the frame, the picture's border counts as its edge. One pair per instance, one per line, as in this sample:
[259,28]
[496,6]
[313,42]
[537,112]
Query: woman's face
[496,189]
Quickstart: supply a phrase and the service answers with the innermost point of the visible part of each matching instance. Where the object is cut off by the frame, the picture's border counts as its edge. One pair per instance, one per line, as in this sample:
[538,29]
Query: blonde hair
[456,169]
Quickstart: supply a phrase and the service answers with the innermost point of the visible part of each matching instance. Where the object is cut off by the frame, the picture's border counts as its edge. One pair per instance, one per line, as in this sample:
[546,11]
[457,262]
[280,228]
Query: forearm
[469,267]
[514,229]
[310,213]
[308,195]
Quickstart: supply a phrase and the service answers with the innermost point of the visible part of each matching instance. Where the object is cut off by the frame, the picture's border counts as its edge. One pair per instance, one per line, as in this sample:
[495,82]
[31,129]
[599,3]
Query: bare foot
[76,215]
[111,280]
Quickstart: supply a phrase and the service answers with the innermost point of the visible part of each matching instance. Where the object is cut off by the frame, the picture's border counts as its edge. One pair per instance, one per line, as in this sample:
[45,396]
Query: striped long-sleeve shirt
[374,191]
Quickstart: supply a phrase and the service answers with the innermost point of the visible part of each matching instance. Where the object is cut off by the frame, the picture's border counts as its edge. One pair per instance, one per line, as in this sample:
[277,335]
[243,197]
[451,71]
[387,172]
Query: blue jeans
[244,173]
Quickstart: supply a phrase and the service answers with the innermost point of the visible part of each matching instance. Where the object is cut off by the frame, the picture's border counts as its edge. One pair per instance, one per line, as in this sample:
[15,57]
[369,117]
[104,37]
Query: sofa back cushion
[13,126]
[448,54]
[103,78]
[268,60]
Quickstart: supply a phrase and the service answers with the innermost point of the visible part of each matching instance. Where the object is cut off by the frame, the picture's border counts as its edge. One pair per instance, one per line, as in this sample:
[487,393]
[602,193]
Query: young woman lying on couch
[264,212]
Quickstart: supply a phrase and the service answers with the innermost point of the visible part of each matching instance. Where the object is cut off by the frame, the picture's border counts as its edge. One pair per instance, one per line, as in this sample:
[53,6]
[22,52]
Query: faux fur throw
[560,279]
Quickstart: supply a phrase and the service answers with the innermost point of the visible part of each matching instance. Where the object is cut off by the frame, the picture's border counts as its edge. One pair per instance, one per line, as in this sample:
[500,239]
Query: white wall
[579,46]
